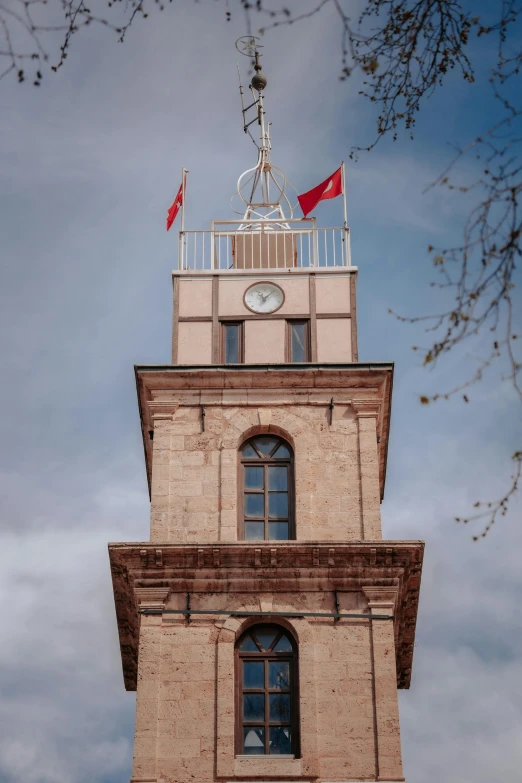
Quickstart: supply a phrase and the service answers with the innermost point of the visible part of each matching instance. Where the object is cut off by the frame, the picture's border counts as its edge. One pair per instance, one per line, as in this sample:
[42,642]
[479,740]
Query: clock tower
[266,625]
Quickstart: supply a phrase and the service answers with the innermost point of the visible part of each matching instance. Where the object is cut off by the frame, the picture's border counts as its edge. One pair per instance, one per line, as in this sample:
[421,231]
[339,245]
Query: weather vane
[264,177]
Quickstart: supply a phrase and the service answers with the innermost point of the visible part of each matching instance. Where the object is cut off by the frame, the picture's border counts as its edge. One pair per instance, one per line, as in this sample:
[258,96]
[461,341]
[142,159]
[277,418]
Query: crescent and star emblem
[248,45]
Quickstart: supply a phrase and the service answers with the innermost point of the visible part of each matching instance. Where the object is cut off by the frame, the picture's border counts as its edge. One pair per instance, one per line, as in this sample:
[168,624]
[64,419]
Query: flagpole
[183,173]
[344,195]
[346,230]
[181,261]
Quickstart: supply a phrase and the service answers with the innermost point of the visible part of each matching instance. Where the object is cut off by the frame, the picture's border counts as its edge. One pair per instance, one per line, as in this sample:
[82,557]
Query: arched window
[267,695]
[266,490]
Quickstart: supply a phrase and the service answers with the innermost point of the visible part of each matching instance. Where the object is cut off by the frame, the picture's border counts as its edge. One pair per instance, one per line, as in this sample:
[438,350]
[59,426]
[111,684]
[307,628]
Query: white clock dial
[264,297]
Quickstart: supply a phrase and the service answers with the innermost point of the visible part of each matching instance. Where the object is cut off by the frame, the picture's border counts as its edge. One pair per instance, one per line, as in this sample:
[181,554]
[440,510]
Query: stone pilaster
[160,479]
[147,697]
[367,413]
[382,600]
[225,699]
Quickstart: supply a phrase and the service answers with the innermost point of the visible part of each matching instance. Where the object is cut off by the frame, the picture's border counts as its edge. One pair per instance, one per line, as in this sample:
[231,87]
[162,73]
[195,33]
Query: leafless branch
[491,510]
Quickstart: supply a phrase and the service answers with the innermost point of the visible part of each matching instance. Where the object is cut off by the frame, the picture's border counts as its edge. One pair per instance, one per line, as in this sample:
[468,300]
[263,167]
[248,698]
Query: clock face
[264,297]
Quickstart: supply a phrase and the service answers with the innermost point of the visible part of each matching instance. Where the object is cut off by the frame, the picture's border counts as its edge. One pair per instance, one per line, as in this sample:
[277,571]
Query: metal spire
[261,188]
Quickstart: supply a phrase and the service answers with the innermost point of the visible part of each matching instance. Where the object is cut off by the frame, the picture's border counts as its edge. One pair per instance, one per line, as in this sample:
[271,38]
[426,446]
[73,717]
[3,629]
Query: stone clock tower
[266,625]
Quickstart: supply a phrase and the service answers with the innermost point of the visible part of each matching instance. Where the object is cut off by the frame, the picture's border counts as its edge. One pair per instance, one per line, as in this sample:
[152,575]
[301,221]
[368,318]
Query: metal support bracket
[337,609]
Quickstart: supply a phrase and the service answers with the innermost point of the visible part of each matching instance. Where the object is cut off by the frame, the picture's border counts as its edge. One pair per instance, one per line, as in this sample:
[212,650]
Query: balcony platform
[264,244]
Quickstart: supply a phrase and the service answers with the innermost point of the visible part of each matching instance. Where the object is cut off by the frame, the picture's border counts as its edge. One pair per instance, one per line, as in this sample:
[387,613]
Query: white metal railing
[266,244]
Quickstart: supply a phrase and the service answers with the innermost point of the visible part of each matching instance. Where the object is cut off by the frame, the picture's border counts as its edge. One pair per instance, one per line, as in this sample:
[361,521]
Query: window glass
[278,478]
[253,674]
[279,675]
[283,645]
[279,707]
[254,531]
[266,636]
[298,342]
[278,505]
[255,478]
[267,700]
[265,445]
[266,486]
[278,531]
[248,645]
[254,740]
[232,343]
[254,504]
[280,740]
[254,706]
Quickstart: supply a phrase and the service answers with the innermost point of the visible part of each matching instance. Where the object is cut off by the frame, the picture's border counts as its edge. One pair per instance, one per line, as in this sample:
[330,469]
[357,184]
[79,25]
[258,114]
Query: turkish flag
[174,209]
[330,188]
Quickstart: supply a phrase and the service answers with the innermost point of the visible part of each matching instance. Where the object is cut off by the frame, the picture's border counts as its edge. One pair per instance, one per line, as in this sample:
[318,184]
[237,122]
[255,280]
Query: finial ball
[259,81]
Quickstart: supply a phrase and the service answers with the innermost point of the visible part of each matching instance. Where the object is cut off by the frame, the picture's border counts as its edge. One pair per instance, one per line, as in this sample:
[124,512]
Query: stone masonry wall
[194,488]
[185,708]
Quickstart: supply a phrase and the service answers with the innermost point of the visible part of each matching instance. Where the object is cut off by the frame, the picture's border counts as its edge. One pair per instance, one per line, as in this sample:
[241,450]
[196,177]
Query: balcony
[263,244]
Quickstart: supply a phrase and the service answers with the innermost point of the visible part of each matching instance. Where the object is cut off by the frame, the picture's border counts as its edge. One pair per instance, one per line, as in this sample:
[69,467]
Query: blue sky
[90,162]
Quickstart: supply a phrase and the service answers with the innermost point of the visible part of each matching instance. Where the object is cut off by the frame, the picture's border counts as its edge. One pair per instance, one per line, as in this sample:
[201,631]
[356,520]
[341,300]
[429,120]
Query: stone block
[168,748]
[192,458]
[187,489]
[160,487]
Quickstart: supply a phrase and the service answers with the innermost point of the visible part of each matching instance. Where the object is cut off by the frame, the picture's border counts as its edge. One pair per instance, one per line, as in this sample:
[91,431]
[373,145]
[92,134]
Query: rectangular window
[232,341]
[298,340]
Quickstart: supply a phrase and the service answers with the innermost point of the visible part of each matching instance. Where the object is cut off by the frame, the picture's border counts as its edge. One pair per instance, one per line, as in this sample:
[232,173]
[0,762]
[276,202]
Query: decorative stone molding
[388,574]
[254,767]
[366,408]
[151,597]
[267,604]
[232,624]
[265,416]
[381,599]
[162,409]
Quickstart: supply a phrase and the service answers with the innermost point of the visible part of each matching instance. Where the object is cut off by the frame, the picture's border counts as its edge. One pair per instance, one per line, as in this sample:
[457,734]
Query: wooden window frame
[288,342]
[222,326]
[266,462]
[294,723]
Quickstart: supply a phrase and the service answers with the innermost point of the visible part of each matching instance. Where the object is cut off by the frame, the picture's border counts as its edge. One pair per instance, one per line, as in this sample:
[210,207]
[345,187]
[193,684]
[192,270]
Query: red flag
[174,209]
[330,188]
